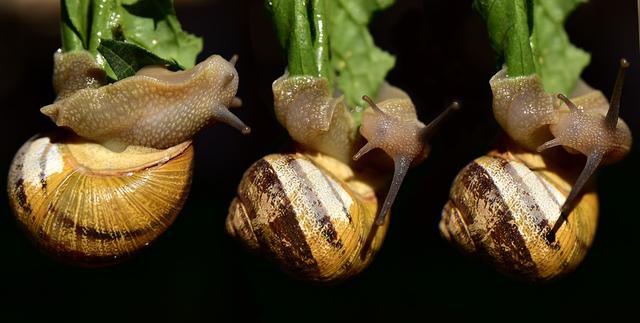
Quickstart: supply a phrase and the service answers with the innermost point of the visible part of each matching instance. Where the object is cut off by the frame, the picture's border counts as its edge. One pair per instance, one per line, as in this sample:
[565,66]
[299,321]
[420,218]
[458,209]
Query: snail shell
[503,207]
[90,206]
[310,214]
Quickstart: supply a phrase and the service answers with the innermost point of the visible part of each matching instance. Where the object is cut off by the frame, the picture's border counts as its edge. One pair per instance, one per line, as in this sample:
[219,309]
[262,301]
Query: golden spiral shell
[502,208]
[84,204]
[310,214]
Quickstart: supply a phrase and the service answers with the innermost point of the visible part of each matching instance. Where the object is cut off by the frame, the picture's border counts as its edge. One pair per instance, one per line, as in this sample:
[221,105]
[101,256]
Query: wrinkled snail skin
[502,208]
[87,205]
[587,124]
[309,213]
[313,118]
[154,108]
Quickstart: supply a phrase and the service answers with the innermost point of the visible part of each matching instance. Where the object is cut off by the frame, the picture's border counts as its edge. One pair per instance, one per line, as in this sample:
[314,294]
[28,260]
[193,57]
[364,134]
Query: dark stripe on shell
[322,218]
[533,207]
[92,233]
[291,246]
[512,253]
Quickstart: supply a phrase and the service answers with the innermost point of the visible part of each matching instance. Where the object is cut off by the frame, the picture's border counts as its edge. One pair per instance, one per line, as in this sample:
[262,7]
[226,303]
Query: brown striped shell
[87,205]
[309,213]
[504,208]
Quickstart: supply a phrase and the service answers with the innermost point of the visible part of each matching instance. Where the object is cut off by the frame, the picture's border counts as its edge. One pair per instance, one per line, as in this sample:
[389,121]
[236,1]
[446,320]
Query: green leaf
[509,30]
[150,24]
[302,31]
[153,25]
[361,67]
[558,63]
[125,59]
[74,25]
[331,39]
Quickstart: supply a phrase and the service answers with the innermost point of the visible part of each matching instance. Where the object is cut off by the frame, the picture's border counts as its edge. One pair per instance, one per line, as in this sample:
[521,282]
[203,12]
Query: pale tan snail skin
[309,213]
[89,204]
[155,108]
[393,126]
[503,209]
[586,124]
[322,123]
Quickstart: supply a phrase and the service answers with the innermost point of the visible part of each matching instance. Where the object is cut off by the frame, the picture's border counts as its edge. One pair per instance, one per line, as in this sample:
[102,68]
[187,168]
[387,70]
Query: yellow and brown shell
[310,214]
[84,204]
[503,208]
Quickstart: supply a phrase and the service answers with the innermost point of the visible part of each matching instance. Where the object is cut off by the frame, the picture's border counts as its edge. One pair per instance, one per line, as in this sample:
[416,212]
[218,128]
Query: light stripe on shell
[95,216]
[313,223]
[502,211]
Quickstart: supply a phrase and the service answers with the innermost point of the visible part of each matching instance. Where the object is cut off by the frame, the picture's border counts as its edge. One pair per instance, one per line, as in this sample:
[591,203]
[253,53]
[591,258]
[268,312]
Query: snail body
[314,118]
[155,108]
[87,205]
[309,213]
[503,208]
[586,124]
[99,194]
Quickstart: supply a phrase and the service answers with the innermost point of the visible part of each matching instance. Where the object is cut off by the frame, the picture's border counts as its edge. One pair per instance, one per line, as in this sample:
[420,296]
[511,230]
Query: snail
[586,124]
[523,209]
[155,108]
[96,195]
[503,206]
[309,213]
[315,212]
[394,127]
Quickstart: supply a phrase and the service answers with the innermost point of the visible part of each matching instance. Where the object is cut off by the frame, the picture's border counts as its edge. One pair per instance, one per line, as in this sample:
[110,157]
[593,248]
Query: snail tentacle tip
[365,149]
[549,144]
[568,102]
[234,59]
[624,63]
[455,105]
[236,102]
[372,104]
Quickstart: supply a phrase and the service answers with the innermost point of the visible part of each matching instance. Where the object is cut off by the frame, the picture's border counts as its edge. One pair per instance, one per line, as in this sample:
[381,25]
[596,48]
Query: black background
[196,273]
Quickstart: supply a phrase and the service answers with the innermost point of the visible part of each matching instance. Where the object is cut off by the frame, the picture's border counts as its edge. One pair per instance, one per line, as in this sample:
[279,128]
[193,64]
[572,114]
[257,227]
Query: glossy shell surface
[86,205]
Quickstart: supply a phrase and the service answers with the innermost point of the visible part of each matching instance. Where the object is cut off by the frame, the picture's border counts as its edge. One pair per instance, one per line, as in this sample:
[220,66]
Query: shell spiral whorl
[314,223]
[90,213]
[502,208]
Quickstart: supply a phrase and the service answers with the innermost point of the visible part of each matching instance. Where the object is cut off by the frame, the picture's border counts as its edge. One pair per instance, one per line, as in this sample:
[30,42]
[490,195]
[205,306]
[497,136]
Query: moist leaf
[152,25]
[508,27]
[558,63]
[302,31]
[360,66]
[125,59]
[74,25]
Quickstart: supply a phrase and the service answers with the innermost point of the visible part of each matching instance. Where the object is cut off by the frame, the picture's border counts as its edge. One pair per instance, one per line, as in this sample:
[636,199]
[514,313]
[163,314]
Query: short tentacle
[568,102]
[372,104]
[365,149]
[234,59]
[549,144]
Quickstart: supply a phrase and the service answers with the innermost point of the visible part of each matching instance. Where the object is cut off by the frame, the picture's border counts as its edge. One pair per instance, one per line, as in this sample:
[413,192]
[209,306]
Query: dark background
[196,273]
